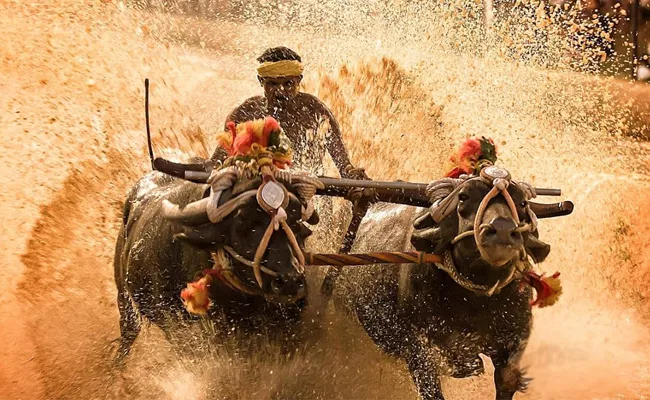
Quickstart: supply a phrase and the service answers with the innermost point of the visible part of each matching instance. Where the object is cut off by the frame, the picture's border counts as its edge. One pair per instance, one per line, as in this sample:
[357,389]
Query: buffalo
[175,232]
[438,318]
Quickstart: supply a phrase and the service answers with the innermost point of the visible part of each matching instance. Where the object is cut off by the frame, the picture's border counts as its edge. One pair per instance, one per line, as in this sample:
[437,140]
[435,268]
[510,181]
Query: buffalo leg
[508,376]
[424,373]
[129,326]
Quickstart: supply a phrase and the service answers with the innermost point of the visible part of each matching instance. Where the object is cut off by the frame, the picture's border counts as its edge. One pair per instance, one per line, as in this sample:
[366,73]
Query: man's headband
[279,69]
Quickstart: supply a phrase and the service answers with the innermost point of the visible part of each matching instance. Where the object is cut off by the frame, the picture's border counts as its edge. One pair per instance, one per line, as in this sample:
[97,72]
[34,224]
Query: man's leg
[358,212]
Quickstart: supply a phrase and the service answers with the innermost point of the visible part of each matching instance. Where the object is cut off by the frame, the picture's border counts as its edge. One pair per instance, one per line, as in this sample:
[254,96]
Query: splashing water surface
[406,80]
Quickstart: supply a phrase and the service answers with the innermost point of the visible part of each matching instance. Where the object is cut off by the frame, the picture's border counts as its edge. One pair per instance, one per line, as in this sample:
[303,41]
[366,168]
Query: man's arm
[337,150]
[335,145]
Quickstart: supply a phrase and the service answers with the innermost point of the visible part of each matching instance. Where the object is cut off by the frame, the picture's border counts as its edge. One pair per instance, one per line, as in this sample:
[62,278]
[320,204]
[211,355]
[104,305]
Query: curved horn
[441,188]
[428,235]
[193,214]
[191,172]
[442,193]
[205,235]
[426,239]
[423,221]
[304,183]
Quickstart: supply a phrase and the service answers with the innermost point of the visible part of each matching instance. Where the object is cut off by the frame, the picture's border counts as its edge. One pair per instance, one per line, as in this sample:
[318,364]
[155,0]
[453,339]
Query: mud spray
[407,80]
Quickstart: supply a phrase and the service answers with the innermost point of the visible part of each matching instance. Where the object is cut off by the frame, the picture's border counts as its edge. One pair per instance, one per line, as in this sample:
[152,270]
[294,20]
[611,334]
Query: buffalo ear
[305,232]
[208,235]
[431,237]
[537,249]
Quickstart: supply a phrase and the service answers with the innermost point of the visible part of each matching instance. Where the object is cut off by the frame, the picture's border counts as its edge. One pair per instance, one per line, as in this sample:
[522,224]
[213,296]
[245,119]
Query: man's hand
[360,197]
[351,172]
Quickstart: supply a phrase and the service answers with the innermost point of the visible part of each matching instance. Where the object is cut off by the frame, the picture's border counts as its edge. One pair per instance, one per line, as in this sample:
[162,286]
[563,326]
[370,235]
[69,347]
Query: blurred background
[617,33]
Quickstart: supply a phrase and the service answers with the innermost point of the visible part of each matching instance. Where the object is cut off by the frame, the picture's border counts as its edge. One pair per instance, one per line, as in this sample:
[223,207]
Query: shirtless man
[303,117]
[309,125]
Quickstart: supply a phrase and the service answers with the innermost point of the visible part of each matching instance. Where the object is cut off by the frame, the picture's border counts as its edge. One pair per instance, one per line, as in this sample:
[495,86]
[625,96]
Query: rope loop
[271,195]
[443,194]
[501,184]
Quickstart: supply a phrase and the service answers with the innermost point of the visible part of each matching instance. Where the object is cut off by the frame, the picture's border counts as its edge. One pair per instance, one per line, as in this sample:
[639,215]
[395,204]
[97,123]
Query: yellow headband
[280,69]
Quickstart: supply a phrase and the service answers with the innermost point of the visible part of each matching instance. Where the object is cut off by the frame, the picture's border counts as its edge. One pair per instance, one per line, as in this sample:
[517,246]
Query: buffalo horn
[194,214]
[424,221]
[429,235]
[205,235]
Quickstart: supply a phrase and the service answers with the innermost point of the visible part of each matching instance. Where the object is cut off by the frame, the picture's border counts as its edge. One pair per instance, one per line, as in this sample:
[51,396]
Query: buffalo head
[257,247]
[484,232]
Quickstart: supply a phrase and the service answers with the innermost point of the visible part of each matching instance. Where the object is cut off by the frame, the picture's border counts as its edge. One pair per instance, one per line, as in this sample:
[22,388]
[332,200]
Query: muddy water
[73,141]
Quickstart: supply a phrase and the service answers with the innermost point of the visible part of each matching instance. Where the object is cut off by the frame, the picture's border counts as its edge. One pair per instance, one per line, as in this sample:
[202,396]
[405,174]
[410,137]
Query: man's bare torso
[304,119]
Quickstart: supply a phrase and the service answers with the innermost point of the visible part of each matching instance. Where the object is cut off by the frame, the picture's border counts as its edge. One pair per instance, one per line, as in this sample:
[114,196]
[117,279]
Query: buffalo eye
[463,204]
[524,204]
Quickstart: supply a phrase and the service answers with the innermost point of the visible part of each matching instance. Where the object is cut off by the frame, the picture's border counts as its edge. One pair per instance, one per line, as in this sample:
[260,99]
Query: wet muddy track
[72,140]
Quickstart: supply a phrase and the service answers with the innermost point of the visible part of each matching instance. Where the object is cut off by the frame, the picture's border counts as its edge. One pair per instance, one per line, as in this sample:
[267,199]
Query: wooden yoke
[408,193]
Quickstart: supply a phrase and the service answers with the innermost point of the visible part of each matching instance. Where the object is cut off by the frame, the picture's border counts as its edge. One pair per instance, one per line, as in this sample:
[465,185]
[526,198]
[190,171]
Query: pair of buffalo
[471,303]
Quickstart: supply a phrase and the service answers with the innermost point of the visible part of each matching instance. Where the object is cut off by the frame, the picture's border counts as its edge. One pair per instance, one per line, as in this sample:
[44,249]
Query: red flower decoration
[548,289]
[196,296]
[466,159]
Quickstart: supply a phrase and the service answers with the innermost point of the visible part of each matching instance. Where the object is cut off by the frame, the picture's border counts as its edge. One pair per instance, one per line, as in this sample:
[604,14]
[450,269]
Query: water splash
[407,80]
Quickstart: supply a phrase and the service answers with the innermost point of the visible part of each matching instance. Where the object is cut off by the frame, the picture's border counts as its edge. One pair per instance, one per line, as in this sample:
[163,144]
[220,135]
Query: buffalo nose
[503,231]
[288,285]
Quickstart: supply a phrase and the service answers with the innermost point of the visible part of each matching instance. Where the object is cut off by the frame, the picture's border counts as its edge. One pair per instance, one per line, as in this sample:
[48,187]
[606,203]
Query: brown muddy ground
[72,140]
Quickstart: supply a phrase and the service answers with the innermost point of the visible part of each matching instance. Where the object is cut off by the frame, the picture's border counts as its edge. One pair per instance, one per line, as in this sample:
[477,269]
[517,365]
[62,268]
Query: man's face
[278,90]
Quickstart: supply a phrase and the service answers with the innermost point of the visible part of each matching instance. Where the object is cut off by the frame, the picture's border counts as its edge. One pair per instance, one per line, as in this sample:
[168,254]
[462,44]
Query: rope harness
[224,271]
[446,202]
[273,197]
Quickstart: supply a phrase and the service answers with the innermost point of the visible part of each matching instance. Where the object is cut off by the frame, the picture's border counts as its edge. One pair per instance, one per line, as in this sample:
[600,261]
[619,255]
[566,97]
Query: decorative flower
[257,139]
[471,156]
[196,296]
[548,289]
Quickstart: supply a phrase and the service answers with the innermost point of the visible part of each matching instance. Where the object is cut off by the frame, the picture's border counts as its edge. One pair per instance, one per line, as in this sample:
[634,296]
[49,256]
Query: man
[309,125]
[307,122]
